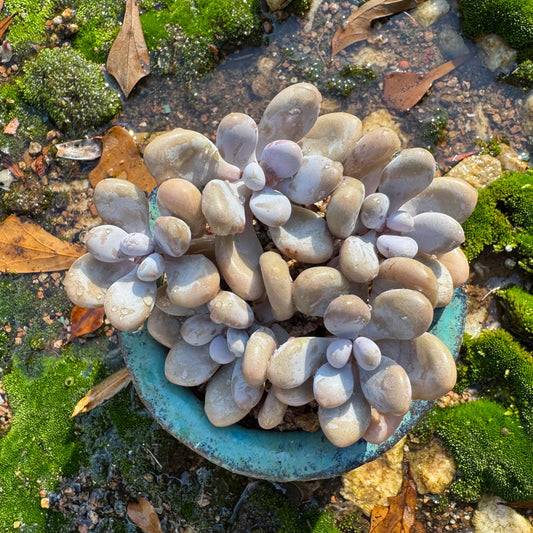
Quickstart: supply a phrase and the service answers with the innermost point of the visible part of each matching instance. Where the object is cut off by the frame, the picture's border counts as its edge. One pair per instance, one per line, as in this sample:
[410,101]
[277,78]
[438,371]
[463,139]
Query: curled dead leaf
[121,159]
[83,321]
[103,391]
[4,24]
[128,60]
[26,247]
[8,162]
[358,26]
[143,515]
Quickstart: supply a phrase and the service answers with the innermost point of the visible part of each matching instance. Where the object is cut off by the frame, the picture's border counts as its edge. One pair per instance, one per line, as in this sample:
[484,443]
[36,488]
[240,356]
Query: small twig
[490,292]
[154,458]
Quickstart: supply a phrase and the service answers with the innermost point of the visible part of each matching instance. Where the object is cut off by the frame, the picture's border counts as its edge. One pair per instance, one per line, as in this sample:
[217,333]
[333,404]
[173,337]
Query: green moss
[511,19]
[32,125]
[503,217]
[492,147]
[29,198]
[41,443]
[522,76]
[491,449]
[517,313]
[350,77]
[325,523]
[70,88]
[435,130]
[503,369]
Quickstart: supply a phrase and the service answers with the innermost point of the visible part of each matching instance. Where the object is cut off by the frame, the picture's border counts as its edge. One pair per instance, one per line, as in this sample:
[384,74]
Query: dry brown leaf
[518,505]
[12,127]
[399,516]
[103,391]
[358,26]
[8,162]
[4,24]
[121,159]
[1,4]
[26,247]
[403,90]
[143,515]
[83,321]
[128,59]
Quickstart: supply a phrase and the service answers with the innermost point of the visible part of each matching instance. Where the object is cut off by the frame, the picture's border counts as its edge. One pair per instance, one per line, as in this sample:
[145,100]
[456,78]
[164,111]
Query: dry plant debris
[143,515]
[85,321]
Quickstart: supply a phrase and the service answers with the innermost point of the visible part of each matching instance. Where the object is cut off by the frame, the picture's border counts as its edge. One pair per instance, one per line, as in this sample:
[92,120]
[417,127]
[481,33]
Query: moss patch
[491,449]
[41,443]
[517,305]
[503,217]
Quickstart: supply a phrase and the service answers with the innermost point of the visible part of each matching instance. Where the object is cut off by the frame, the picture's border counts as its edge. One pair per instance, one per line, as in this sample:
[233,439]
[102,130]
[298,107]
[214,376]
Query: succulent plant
[299,219]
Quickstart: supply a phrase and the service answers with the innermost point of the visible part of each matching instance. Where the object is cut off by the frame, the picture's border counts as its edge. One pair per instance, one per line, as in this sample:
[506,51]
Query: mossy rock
[70,88]
[491,449]
[517,315]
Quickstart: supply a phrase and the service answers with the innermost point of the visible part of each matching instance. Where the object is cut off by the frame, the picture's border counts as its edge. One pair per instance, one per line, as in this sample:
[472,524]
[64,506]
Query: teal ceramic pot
[273,455]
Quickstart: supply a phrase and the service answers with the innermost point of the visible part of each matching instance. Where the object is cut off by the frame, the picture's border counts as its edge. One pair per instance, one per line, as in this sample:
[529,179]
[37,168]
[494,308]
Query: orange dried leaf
[4,24]
[358,26]
[1,4]
[83,321]
[121,159]
[399,517]
[143,515]
[128,59]
[26,247]
[103,391]
[12,127]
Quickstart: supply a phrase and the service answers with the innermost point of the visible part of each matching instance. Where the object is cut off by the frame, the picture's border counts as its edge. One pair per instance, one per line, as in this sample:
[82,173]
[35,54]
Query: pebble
[304,237]
[436,233]
[396,246]
[374,210]
[281,159]
[219,405]
[236,340]
[253,176]
[366,353]
[333,386]
[296,360]
[259,349]
[316,287]
[129,301]
[172,236]
[188,365]
[278,285]
[162,302]
[199,330]
[451,196]
[88,279]
[290,114]
[271,207]
[339,352]
[387,387]
[237,257]
[382,426]
[370,156]
[192,280]
[180,198]
[164,328]
[244,395]
[295,396]
[346,315]
[343,207]
[229,309]
[344,425]
[457,264]
[103,243]
[120,203]
[317,178]
[358,260]
[151,268]
[219,351]
[136,245]
[400,221]
[334,136]
[189,155]
[407,175]
[444,279]
[237,139]
[222,208]
[272,411]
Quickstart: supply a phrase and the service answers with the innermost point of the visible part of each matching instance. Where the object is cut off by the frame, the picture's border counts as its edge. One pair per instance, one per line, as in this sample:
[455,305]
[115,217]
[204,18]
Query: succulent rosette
[298,220]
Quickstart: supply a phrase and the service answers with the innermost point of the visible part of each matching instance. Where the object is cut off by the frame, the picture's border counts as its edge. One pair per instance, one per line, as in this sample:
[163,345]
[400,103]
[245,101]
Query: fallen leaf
[128,59]
[1,4]
[80,149]
[4,24]
[26,247]
[103,391]
[358,26]
[39,166]
[83,321]
[121,159]
[518,505]
[143,515]
[403,90]
[12,127]
[8,162]
[399,516]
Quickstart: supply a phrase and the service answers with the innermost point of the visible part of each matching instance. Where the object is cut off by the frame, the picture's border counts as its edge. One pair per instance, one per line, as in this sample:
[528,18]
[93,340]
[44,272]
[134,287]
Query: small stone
[358,260]
[188,365]
[259,349]
[281,159]
[436,233]
[346,315]
[222,208]
[245,395]
[164,328]
[491,516]
[172,236]
[271,207]
[366,353]
[151,268]
[339,352]
[477,170]
[343,207]
[219,351]
[272,411]
[199,329]
[35,149]
[103,243]
[333,386]
[374,210]
[396,246]
[278,285]
[229,309]
[295,396]
[237,139]
[136,245]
